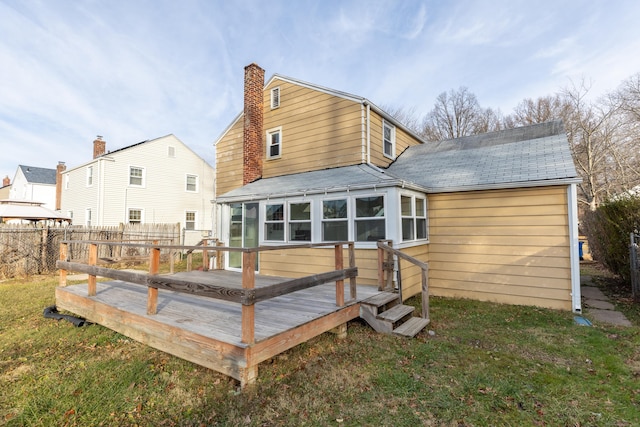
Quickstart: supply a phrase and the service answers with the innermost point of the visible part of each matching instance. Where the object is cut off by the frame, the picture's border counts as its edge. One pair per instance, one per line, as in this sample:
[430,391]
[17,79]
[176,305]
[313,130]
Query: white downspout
[362,135]
[368,134]
[572,199]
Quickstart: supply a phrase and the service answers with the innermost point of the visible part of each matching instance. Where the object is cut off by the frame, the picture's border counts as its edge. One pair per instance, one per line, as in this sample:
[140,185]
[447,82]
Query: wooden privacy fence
[387,257]
[27,250]
[248,295]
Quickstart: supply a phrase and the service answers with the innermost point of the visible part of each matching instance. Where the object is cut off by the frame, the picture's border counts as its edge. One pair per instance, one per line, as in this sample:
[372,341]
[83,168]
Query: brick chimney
[59,169]
[253,116]
[6,181]
[99,147]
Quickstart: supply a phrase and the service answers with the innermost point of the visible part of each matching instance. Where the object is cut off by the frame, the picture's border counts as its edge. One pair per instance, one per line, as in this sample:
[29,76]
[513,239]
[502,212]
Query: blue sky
[132,70]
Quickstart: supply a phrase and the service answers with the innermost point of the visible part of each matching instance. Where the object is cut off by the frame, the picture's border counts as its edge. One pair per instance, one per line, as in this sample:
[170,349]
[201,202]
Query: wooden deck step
[381,299]
[411,327]
[396,313]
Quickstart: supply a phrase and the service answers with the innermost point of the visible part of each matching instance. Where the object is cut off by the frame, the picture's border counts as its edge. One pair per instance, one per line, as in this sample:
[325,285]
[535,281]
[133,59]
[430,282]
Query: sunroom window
[274,222]
[414,218]
[370,219]
[300,221]
[335,224]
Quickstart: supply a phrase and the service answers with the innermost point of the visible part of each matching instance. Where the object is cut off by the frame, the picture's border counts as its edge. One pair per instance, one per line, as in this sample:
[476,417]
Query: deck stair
[385,313]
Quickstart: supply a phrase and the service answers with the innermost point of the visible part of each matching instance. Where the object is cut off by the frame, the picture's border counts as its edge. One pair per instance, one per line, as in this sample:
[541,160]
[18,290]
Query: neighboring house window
[274,143]
[171,151]
[135,216]
[389,139]
[192,183]
[190,220]
[89,176]
[335,224]
[70,215]
[414,218]
[136,176]
[300,221]
[87,217]
[274,222]
[66,182]
[275,97]
[370,219]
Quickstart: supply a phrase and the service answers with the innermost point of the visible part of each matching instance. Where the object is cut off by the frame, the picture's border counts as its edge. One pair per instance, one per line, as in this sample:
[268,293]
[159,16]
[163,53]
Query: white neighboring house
[34,184]
[155,181]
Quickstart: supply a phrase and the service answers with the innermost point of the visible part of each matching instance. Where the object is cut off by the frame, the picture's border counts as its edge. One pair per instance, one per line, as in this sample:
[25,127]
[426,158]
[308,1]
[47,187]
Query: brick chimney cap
[253,64]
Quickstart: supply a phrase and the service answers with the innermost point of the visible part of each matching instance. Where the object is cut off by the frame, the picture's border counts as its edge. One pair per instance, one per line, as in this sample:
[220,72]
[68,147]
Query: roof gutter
[506,185]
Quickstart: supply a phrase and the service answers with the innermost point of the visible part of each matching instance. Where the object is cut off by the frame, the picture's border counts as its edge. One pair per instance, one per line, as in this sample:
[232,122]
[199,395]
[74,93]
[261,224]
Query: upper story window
[274,143]
[171,151]
[190,220]
[192,183]
[388,139]
[275,97]
[89,176]
[370,225]
[414,218]
[136,176]
[87,217]
[66,182]
[135,216]
[335,221]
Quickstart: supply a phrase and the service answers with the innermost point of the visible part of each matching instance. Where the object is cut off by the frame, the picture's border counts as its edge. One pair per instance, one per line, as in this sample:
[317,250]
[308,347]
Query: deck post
[154,268]
[205,256]
[352,264]
[219,255]
[93,260]
[400,281]
[425,293]
[189,261]
[248,311]
[380,269]
[389,269]
[339,283]
[64,247]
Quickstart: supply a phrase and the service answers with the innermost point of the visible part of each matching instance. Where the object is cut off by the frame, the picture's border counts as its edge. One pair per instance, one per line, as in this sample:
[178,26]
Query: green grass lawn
[485,364]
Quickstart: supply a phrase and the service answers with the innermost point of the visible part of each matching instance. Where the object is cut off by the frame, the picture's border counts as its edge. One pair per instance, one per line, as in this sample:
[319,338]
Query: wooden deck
[208,331]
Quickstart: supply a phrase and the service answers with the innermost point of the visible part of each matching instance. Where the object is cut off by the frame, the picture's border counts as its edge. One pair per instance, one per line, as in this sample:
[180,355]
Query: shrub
[608,229]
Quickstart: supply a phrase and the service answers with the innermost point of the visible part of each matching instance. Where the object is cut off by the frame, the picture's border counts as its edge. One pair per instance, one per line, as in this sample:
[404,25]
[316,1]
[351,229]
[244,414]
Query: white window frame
[392,140]
[271,132]
[186,185]
[171,151]
[356,219]
[275,97]
[87,217]
[129,210]
[89,181]
[186,221]
[290,222]
[142,178]
[324,220]
[282,221]
[413,217]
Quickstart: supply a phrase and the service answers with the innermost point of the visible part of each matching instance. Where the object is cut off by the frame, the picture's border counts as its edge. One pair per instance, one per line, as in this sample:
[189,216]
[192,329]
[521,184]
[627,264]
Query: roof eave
[506,185]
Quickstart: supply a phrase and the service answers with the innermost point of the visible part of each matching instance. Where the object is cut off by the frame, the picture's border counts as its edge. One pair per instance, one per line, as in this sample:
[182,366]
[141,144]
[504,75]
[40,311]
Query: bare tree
[540,110]
[406,116]
[455,114]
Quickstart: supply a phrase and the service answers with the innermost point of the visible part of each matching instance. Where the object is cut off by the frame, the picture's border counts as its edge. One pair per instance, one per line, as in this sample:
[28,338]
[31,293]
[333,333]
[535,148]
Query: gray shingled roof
[509,158]
[321,181]
[36,175]
[522,157]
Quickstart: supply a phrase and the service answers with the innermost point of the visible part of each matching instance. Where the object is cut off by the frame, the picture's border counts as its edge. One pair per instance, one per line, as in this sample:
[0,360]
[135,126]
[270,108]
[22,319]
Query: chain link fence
[26,250]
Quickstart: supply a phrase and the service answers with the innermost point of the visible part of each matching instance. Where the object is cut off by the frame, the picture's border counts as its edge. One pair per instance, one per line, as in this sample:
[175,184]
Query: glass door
[243,230]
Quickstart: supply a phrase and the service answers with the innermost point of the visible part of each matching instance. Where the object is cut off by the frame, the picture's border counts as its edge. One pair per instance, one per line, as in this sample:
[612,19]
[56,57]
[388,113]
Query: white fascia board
[506,185]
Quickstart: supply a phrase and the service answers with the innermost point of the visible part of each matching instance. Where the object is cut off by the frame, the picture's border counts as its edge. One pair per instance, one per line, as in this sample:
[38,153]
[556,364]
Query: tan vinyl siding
[403,140]
[319,131]
[508,246]
[295,263]
[229,159]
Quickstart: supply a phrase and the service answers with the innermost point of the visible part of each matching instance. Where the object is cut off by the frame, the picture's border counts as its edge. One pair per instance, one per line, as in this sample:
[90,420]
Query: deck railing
[248,295]
[386,264]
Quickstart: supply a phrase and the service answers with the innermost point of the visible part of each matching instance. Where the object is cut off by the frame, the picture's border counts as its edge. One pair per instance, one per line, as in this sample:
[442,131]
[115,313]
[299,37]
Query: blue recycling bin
[580,249]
